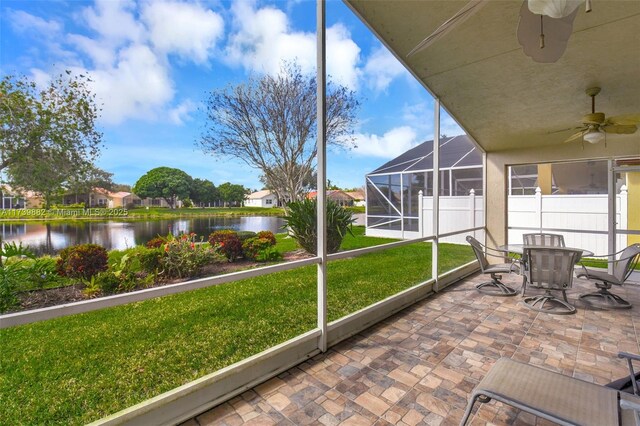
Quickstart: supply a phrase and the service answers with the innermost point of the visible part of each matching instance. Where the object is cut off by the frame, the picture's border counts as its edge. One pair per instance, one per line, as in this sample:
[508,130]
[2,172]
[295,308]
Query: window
[268,201]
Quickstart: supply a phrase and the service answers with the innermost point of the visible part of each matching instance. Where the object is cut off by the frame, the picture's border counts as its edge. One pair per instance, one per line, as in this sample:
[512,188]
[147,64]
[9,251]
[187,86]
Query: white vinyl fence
[581,219]
[585,215]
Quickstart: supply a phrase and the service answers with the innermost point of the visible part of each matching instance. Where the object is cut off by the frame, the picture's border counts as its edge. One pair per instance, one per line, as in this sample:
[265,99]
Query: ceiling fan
[556,27]
[595,125]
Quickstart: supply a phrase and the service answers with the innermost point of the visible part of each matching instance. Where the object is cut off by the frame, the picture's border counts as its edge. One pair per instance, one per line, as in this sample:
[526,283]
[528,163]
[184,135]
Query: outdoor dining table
[519,249]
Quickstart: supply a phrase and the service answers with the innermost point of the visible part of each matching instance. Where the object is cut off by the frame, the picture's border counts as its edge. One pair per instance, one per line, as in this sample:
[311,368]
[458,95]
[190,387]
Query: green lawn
[77,369]
[132,214]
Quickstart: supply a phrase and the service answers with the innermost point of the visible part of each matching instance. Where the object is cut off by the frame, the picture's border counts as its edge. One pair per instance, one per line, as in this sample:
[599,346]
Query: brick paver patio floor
[419,366]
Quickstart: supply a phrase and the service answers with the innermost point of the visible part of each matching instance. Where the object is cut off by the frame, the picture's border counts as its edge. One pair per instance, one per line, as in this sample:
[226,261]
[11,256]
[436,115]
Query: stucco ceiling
[501,97]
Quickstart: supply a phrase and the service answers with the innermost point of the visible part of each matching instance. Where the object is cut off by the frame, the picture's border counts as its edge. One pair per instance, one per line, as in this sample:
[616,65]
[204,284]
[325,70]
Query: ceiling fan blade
[620,129]
[576,136]
[625,120]
[463,14]
[567,129]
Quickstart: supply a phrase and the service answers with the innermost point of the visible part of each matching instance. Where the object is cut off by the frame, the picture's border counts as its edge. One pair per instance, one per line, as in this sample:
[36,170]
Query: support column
[496,202]
[321,111]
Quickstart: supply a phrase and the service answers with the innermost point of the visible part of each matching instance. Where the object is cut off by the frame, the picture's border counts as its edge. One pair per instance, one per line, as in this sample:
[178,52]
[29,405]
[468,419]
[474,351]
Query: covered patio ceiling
[502,98]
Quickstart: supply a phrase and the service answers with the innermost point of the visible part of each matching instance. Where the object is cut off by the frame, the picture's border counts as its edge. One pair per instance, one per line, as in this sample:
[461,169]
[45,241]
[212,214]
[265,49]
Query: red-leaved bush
[82,261]
[226,242]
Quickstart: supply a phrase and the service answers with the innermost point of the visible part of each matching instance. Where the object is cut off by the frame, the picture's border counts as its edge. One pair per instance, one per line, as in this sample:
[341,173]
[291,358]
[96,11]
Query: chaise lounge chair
[555,397]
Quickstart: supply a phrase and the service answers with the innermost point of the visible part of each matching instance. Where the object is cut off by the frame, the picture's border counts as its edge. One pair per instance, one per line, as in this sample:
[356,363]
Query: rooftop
[457,151]
[420,365]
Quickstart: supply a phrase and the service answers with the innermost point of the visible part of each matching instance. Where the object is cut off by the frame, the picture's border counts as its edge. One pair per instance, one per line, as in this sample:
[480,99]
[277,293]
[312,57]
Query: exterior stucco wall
[497,163]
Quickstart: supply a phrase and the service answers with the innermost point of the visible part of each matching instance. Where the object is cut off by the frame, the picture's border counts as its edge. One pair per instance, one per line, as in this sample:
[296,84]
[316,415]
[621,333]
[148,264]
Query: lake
[50,238]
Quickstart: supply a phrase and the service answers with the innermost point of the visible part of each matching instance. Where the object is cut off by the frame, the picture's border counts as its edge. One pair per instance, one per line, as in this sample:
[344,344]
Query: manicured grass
[71,215]
[80,368]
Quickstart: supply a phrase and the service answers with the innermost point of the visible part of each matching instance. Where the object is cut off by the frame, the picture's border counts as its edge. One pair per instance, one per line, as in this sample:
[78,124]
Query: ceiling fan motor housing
[594,118]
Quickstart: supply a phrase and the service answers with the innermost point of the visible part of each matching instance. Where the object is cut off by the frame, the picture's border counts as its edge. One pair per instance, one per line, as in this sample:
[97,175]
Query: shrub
[108,282]
[245,235]
[301,221]
[150,259]
[270,254]
[82,261]
[13,272]
[183,257]
[268,235]
[227,243]
[157,242]
[253,246]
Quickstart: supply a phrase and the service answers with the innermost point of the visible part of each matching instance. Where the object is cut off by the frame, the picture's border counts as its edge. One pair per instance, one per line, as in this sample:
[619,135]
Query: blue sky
[153,61]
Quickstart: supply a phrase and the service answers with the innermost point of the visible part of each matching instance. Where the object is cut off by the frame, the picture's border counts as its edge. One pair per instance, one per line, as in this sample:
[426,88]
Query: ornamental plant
[227,243]
[82,261]
[267,235]
[183,256]
[253,246]
[301,220]
[157,242]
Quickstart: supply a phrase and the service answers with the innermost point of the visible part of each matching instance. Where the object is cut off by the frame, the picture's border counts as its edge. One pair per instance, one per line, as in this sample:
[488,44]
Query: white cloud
[138,85]
[101,53]
[390,145]
[23,22]
[263,40]
[40,77]
[343,55]
[187,29]
[180,114]
[381,68]
[114,21]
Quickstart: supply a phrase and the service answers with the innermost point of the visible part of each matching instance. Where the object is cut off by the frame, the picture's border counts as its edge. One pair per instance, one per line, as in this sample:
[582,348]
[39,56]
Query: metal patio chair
[495,286]
[550,269]
[540,239]
[622,269]
[561,399]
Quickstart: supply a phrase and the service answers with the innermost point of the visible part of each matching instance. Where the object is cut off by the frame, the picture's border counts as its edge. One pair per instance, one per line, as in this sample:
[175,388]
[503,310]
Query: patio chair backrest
[544,240]
[629,259]
[478,250]
[550,267]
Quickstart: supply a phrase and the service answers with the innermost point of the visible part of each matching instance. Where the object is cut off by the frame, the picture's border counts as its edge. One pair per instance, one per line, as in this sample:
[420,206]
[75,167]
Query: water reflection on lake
[53,237]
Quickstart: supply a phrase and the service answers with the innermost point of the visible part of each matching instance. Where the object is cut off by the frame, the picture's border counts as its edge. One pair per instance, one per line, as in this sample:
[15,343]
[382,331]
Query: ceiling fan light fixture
[554,8]
[593,136]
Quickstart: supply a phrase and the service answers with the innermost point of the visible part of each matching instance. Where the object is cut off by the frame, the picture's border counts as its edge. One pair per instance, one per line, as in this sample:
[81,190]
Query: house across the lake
[264,198]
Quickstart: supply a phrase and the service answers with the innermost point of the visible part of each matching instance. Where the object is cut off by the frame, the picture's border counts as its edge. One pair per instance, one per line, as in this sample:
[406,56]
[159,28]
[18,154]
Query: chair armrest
[627,355]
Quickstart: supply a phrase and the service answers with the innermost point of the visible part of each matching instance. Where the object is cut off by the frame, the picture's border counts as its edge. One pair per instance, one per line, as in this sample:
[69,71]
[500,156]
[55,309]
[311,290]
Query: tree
[164,182]
[270,123]
[203,191]
[87,178]
[231,193]
[309,182]
[46,131]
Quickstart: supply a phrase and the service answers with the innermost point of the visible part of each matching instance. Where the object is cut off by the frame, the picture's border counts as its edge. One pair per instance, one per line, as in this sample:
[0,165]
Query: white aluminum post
[436,192]
[421,213]
[611,210]
[472,208]
[539,208]
[321,117]
[624,220]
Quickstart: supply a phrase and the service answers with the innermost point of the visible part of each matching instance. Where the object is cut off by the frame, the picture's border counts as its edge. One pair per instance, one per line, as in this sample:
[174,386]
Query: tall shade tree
[232,193]
[164,182]
[203,191]
[269,122]
[42,130]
